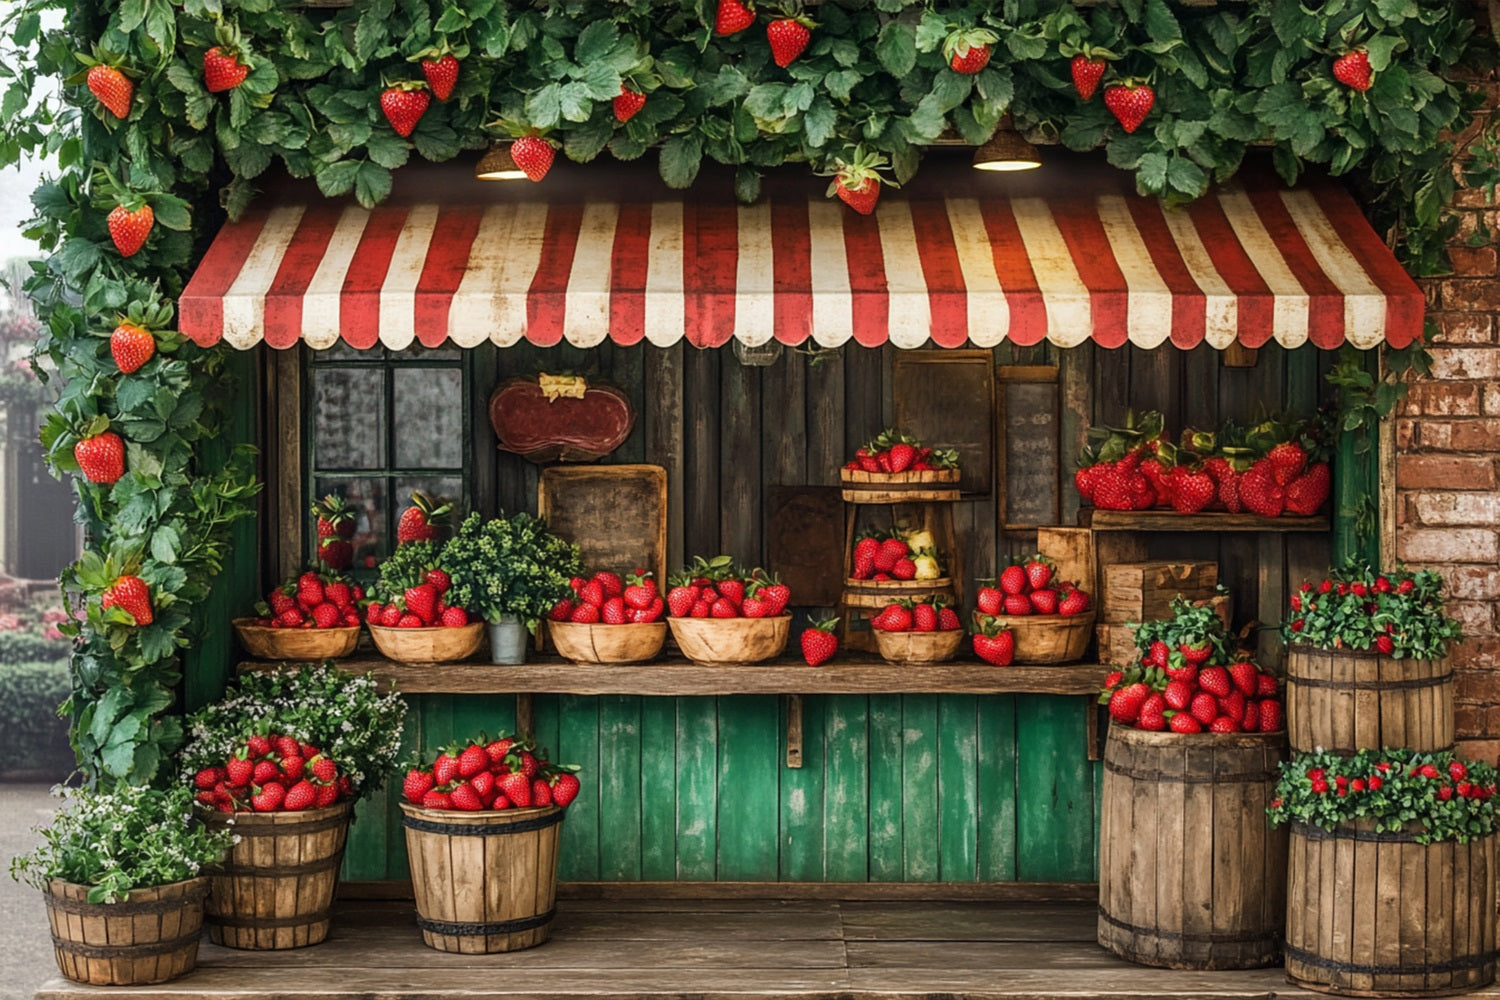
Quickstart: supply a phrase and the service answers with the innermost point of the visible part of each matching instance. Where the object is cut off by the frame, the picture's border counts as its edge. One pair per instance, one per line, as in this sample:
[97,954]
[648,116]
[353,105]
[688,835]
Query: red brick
[1466,327]
[1446,399]
[1475,435]
[1444,472]
[1447,545]
[1491,398]
[1476,654]
[1432,435]
[1480,749]
[1466,362]
[1468,720]
[1472,262]
[1405,434]
[1471,583]
[1478,508]
[1470,198]
[1477,687]
[1476,617]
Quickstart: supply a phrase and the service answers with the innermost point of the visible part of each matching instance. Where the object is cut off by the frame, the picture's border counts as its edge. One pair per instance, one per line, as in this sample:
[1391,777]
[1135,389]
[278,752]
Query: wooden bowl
[1043,639]
[718,641]
[918,647]
[930,485]
[599,643]
[428,645]
[302,644]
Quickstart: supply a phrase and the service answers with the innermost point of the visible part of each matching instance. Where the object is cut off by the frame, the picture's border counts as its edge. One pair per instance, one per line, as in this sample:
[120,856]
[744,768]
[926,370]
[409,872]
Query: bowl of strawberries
[1050,621]
[917,631]
[610,619]
[895,467]
[721,614]
[312,617]
[410,619]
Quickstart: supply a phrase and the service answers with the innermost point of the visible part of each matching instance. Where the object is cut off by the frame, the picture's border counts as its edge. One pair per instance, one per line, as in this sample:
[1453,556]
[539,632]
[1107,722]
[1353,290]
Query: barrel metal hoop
[1461,964]
[248,830]
[487,830]
[277,871]
[125,951]
[475,930]
[1249,937]
[1309,832]
[127,908]
[1145,774]
[1408,684]
[252,922]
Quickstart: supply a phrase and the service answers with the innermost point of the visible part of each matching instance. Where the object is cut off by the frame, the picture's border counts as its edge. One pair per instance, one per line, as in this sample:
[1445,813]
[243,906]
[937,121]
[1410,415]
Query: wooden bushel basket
[428,645]
[919,647]
[599,643]
[275,888]
[926,486]
[1344,701]
[1048,639]
[483,881]
[149,938]
[303,645]
[1378,915]
[716,642]
[1191,876]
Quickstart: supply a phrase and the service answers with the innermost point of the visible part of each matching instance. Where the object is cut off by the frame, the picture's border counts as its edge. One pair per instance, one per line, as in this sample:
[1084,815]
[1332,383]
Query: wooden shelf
[1170,520]
[859,674]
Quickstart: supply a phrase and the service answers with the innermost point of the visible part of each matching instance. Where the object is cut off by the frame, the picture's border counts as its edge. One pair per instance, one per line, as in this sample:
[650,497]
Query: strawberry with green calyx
[404,104]
[789,35]
[1087,67]
[820,641]
[627,103]
[416,521]
[1130,101]
[108,82]
[440,67]
[1352,69]
[100,452]
[129,226]
[733,16]
[968,49]
[336,522]
[225,65]
[133,343]
[992,643]
[1194,635]
[857,182]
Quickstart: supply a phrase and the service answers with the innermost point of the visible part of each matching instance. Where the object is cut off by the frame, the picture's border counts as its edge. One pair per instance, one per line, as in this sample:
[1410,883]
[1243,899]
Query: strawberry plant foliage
[1397,613]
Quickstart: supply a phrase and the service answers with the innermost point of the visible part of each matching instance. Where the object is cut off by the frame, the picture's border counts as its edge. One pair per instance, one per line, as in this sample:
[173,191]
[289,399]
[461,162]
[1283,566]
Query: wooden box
[1116,640]
[1143,591]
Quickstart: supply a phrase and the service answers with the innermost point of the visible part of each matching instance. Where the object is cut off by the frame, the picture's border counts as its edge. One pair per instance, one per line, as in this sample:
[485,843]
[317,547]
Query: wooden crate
[615,514]
[1143,591]
[1116,641]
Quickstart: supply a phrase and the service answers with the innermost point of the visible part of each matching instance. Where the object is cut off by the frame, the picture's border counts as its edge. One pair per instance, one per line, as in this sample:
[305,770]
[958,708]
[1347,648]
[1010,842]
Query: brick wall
[1448,460]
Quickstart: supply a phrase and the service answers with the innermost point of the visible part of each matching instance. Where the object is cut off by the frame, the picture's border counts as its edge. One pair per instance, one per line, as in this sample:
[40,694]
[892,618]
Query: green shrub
[18,647]
[32,737]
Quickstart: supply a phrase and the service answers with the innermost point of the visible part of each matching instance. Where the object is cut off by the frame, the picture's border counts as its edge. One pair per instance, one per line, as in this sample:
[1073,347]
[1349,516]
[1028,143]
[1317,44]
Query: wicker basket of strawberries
[1049,621]
[895,467]
[721,614]
[918,631]
[609,619]
[410,619]
[312,617]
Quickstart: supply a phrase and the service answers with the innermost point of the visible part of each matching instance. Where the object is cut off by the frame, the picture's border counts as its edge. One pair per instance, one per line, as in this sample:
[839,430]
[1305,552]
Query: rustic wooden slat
[886,788]
[621,756]
[1055,807]
[740,479]
[658,780]
[958,787]
[846,790]
[749,767]
[701,452]
[663,417]
[803,812]
[578,743]
[1171,521]
[697,787]
[920,803]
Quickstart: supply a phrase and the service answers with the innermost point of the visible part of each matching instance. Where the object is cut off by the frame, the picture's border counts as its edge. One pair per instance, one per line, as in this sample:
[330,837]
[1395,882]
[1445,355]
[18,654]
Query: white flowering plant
[347,715]
[129,837]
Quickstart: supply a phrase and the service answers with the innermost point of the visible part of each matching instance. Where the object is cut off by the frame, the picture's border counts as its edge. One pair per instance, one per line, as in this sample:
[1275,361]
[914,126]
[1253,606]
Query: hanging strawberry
[1086,74]
[112,88]
[628,103]
[1353,70]
[404,104]
[533,155]
[789,36]
[440,67]
[223,65]
[132,343]
[732,17]
[968,49]
[129,226]
[857,182]
[100,453]
[1130,102]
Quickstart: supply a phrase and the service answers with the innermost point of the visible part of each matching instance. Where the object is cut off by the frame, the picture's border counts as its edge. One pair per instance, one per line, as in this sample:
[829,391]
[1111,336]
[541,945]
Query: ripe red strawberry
[1250,721]
[861,196]
[902,455]
[998,649]
[1129,103]
[1196,655]
[1075,602]
[990,600]
[309,590]
[1353,70]
[948,620]
[612,612]
[128,228]
[1152,715]
[445,768]
[1260,493]
[472,760]
[421,601]
[1018,604]
[416,521]
[1204,707]
[561,611]
[113,89]
[1157,654]
[409,620]
[680,600]
[924,618]
[208,778]
[1265,686]
[323,768]
[1224,724]
[339,594]
[1287,461]
[732,16]
[893,618]
[1125,704]
[439,579]
[1307,493]
[905,569]
[585,614]
[1215,680]
[465,798]
[454,617]
[300,796]
[723,608]
[1229,493]
[291,618]
[609,583]
[1044,602]
[640,590]
[564,789]
[533,155]
[819,642]
[392,616]
[1182,722]
[777,595]
[258,746]
[891,551]
[971,60]
[1038,572]
[239,771]
[101,458]
[1013,580]
[530,766]
[437,800]
[628,103]
[1385,645]
[517,788]
[1190,492]
[1245,677]
[222,70]
[131,595]
[441,74]
[701,609]
[404,106]
[327,615]
[325,795]
[269,797]
[541,793]
[755,606]
[788,37]
[593,593]
[864,558]
[287,747]
[1178,695]
[1086,75]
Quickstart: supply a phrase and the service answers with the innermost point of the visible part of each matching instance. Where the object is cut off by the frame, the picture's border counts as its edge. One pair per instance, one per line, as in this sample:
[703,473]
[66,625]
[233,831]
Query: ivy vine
[876,75]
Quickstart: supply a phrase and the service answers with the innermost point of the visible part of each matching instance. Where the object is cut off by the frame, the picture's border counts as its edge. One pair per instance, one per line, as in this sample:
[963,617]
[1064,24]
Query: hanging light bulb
[1006,150]
[498,165]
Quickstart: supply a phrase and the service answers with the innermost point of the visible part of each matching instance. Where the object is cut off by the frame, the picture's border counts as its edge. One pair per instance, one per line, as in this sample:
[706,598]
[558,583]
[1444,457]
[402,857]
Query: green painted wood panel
[750,762]
[995,739]
[578,738]
[697,787]
[1055,819]
[958,787]
[803,818]
[920,834]
[620,787]
[886,779]
[846,788]
[658,809]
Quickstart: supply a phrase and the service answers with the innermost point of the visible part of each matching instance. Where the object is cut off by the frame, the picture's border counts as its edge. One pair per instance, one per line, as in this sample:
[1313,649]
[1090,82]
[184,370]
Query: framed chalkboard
[947,399]
[1030,459]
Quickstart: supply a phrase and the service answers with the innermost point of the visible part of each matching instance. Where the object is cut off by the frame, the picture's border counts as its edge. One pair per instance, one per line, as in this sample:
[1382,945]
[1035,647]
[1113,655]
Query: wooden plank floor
[704,950]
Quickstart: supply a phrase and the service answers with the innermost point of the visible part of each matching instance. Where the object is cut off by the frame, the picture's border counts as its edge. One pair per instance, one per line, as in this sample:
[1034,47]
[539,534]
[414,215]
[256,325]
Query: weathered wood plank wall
[893,788]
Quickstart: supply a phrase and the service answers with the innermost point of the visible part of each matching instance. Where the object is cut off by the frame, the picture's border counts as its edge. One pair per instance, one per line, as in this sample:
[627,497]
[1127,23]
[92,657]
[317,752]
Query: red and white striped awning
[1246,264]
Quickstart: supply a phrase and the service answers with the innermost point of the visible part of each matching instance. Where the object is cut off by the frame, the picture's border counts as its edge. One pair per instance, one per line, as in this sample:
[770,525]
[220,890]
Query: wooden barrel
[275,888]
[151,937]
[1345,701]
[483,881]
[1191,876]
[1376,914]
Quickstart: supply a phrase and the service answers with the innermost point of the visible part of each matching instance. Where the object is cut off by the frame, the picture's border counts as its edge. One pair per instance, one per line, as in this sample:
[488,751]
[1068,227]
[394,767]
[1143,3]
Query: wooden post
[794,730]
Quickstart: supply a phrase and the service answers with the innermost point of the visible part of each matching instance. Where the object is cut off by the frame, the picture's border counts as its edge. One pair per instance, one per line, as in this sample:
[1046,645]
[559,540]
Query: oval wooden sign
[564,429]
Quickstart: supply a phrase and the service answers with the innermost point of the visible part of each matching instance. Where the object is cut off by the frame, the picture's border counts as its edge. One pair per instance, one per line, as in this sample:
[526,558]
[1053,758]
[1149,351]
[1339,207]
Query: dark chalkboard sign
[1029,447]
[947,399]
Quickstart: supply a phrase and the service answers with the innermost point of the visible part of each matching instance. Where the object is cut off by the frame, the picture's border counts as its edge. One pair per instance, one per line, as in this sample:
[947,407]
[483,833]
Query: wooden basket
[1190,874]
[483,881]
[598,643]
[892,590]
[930,486]
[149,938]
[1345,701]
[717,642]
[919,647]
[1373,914]
[274,889]
[428,645]
[303,645]
[1048,639]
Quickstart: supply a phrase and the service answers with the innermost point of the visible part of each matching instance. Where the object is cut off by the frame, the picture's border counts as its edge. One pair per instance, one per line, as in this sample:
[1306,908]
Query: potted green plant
[120,873]
[510,571]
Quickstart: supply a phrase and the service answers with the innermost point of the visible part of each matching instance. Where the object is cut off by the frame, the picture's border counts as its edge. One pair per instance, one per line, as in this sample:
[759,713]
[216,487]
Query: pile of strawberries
[421,606]
[931,615]
[882,557]
[1028,587]
[1182,690]
[893,452]
[312,600]
[606,599]
[490,774]
[271,773]
[717,588]
[336,524]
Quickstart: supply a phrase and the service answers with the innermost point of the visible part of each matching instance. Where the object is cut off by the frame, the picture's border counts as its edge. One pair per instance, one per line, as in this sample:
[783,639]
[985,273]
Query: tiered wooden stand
[928,499]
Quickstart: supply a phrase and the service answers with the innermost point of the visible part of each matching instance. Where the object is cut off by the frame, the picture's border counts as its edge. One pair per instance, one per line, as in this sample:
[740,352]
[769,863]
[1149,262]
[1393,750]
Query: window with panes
[380,424]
